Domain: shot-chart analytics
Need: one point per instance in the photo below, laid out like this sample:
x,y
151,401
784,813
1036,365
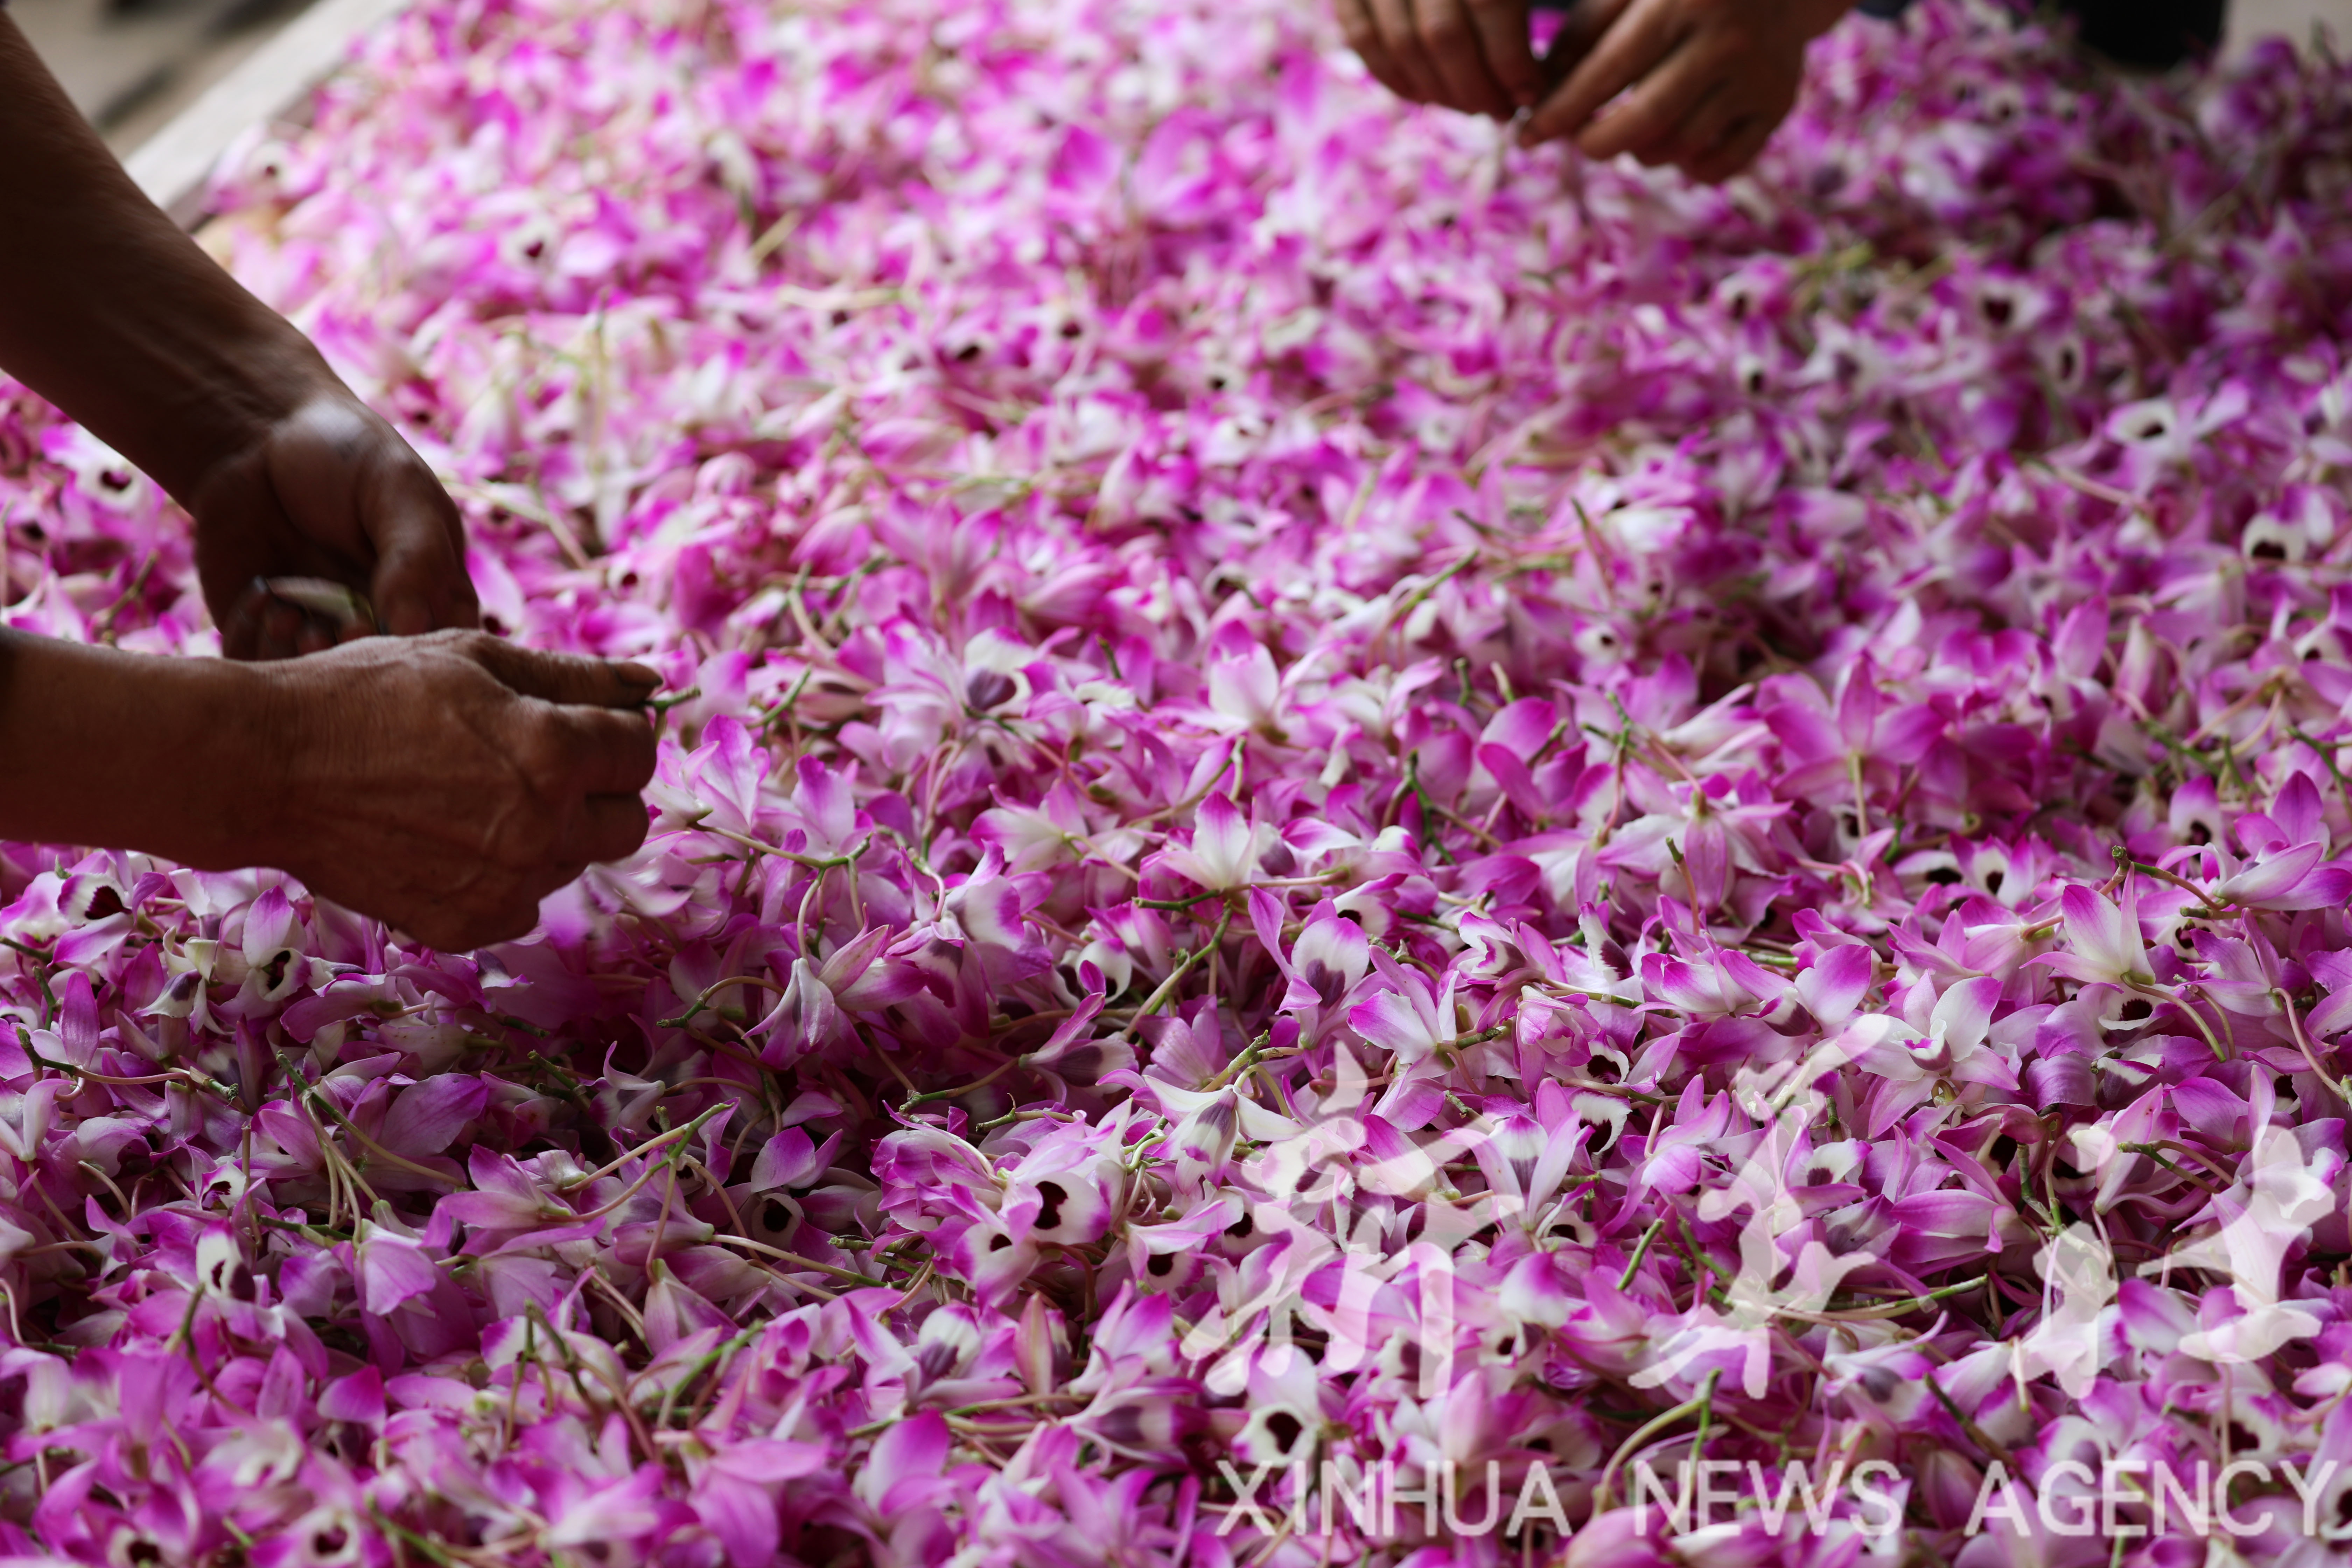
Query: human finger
x,y
240,628
355,491
420,582
613,826
608,751
307,615
1747,135
1661,101
329,602
1635,43
1705,127
280,634
1450,43
1509,51
1741,142
263,627
1395,20
1584,25
567,677
1356,25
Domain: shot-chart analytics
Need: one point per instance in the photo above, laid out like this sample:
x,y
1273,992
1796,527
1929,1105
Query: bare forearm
x,y
110,313
166,755
443,783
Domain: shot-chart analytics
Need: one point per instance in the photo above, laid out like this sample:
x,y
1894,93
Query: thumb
x,y
349,485
420,582
1503,29
1582,28
568,678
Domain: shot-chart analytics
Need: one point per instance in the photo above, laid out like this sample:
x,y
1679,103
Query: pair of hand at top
x,y
440,780
1700,84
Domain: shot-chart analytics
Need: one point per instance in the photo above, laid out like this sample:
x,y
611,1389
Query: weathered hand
x,y
331,492
1470,54
1705,82
446,783
110,313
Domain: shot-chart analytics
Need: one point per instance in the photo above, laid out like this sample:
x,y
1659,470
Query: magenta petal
x,y
2056,1081
427,1117
1323,790
358,1398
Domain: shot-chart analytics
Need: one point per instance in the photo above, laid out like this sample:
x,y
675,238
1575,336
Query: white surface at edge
x,y
174,164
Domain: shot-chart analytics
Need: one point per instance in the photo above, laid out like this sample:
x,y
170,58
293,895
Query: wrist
x,y
212,386
172,756
229,395
213,762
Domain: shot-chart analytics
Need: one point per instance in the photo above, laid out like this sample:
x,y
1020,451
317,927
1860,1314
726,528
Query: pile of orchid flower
x,y
1336,801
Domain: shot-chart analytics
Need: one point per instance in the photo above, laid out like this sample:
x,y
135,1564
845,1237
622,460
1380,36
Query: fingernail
x,y
637,673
